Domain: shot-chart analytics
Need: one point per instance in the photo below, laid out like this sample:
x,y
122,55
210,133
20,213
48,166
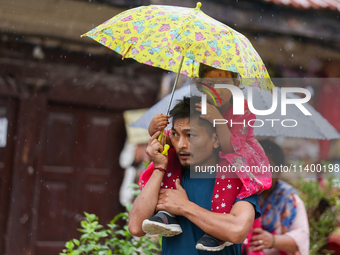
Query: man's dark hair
x,y
186,108
204,69
273,151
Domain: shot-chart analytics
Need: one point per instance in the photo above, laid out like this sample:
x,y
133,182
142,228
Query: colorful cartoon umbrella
x,y
179,39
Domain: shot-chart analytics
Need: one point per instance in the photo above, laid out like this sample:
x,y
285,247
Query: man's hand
x,y
212,112
261,240
172,200
154,151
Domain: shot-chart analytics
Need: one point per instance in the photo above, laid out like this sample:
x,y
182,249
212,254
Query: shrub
x,y
322,206
97,240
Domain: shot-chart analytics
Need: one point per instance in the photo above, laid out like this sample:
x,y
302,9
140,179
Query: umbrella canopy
x,y
314,126
167,36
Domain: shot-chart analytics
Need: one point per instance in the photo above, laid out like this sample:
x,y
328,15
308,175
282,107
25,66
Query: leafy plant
x,y
322,206
97,240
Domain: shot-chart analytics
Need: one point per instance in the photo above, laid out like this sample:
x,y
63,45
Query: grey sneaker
x,y
210,243
162,223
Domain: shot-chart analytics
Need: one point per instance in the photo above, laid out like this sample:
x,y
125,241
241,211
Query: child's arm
x,y
222,130
158,123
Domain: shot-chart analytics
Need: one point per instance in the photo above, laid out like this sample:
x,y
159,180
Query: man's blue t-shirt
x,y
200,192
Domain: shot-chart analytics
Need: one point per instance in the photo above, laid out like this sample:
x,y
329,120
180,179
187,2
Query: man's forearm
x,y
232,227
145,204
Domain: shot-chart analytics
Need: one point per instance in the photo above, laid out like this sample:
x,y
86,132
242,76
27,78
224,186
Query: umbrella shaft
x,y
174,87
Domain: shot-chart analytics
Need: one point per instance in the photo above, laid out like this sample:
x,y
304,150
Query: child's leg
x,y
225,192
165,223
162,223
210,243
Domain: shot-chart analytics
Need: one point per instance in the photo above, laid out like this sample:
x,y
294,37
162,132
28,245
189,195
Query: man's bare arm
x,y
145,204
232,227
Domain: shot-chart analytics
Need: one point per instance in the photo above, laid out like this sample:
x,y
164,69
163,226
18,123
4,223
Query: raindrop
x,y
292,55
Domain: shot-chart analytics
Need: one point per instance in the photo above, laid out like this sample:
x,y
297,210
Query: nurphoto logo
x,y
238,105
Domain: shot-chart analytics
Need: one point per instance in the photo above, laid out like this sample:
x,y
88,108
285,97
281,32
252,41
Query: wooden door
x,y
77,171
8,114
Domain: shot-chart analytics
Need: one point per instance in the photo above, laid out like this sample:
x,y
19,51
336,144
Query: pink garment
x,y
257,224
248,153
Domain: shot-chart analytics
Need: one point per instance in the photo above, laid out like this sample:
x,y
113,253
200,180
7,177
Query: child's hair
x,y
204,69
186,108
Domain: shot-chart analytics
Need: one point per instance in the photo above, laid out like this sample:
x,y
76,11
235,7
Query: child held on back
x,y
237,148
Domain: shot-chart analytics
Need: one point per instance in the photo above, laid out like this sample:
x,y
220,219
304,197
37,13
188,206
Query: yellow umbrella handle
x,y
160,136
166,146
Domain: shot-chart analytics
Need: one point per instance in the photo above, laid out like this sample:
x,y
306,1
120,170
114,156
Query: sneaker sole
x,y
155,228
200,246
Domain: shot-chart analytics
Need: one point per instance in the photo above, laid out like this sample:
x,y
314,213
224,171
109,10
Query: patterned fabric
x,y
279,208
248,154
160,35
174,171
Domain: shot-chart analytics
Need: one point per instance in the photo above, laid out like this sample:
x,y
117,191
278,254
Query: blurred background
x,y
66,102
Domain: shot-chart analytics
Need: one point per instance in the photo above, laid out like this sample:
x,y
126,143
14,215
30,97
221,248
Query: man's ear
x,y
216,141
237,83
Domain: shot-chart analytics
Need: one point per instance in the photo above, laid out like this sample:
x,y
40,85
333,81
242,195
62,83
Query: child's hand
x,y
212,112
158,123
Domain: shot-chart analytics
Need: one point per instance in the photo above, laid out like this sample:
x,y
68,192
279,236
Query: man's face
x,y
193,144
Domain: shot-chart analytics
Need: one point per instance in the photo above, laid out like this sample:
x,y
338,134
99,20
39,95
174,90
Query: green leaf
x,y
76,242
69,245
128,250
128,207
90,217
117,217
146,164
120,232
